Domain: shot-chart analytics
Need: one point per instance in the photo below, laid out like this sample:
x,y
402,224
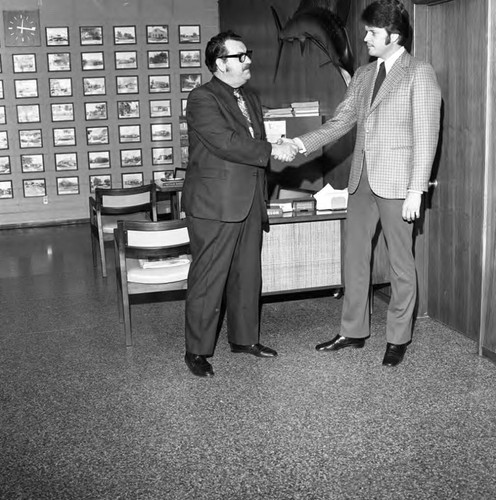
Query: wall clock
x,y
22,28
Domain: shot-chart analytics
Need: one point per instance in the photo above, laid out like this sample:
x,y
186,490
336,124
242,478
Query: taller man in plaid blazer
x,y
396,138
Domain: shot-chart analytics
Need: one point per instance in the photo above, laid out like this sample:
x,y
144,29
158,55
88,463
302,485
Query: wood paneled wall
x,y
452,36
488,314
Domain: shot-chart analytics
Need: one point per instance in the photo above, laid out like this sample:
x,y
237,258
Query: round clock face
x,y
22,28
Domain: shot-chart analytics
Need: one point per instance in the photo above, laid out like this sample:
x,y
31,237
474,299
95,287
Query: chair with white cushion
x,y
110,205
150,257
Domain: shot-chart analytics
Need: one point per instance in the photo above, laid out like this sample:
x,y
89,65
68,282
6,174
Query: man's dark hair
x,y
216,48
390,15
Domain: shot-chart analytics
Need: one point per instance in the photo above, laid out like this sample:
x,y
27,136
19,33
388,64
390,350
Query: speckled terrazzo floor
x,y
82,417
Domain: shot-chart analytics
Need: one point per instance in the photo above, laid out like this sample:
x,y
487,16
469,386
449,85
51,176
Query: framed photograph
x,y
126,60
4,140
162,156
158,59
29,113
184,156
64,136
95,110
189,33
24,63
162,175
124,35
60,87
26,88
97,135
128,109
91,35
99,159
91,61
160,108
132,180
34,188
60,61
131,158
62,112
66,161
32,163
189,59
6,190
5,165
1,89
158,83
189,81
161,131
3,116
94,86
67,185
184,104
127,84
100,181
30,138
57,36
157,33
129,133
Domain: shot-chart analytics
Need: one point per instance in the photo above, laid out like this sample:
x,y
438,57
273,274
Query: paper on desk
x,y
275,129
329,198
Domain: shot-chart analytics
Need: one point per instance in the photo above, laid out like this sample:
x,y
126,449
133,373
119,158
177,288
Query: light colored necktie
x,y
244,109
381,75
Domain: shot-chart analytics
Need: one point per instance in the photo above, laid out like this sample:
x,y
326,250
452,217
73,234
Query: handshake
x,y
284,149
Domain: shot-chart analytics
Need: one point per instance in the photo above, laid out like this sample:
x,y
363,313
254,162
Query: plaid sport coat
x,y
397,134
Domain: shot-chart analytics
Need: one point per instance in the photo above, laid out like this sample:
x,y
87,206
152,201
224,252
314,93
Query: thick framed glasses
x,y
241,57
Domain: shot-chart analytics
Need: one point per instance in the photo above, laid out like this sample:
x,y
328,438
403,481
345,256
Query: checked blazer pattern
x,y
397,134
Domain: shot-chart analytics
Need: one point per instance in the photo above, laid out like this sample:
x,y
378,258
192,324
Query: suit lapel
x,y
394,76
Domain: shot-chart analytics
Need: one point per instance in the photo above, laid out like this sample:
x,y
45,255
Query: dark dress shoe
x,y
198,365
394,354
340,342
256,349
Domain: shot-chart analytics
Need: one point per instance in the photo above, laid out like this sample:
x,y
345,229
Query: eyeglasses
x,y
241,57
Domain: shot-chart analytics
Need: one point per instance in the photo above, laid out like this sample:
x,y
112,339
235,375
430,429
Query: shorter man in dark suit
x,y
224,197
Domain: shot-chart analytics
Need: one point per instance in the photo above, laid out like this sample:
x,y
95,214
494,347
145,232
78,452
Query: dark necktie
x,y
381,75
244,109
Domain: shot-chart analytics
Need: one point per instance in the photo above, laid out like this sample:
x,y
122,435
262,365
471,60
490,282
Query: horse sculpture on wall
x,y
322,23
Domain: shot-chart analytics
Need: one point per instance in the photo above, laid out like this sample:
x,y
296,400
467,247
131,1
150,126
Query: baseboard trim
x,y
489,354
25,225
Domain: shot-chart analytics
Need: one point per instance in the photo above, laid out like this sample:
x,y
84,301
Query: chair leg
x,y
127,319
102,257
94,245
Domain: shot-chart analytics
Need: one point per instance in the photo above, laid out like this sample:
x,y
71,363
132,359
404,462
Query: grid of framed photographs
x,y
108,96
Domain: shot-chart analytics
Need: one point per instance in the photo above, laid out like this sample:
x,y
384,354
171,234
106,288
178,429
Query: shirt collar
x,y
388,63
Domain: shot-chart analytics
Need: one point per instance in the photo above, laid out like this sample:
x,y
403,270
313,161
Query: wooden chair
x,y
110,205
150,257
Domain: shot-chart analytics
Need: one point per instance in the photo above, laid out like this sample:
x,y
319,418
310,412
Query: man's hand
x,y
411,206
284,150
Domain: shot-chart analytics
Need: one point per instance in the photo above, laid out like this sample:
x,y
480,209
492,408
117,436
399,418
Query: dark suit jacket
x,y
225,162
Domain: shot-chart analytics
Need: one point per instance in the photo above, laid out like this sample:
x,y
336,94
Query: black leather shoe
x,y
340,342
394,354
198,365
256,349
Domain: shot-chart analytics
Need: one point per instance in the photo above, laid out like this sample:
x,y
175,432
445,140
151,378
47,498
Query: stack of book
x,y
310,108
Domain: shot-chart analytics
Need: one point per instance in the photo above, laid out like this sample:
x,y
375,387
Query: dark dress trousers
x,y
224,197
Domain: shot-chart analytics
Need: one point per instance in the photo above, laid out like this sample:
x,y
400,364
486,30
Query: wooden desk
x,y
303,252
169,198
